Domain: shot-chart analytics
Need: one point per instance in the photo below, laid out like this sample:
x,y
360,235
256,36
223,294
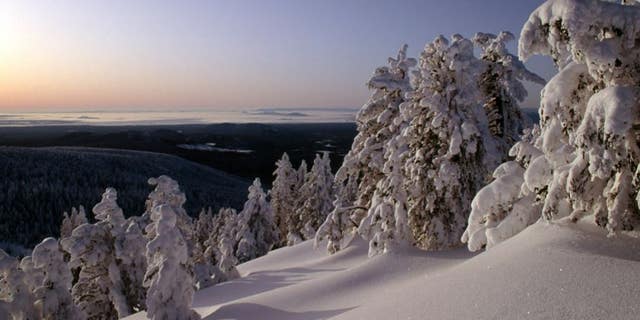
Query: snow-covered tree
x,y
294,235
70,222
167,191
132,264
446,163
204,225
168,279
387,221
98,290
220,247
363,164
318,195
223,223
33,275
53,297
257,232
585,161
283,195
501,88
228,260
16,297
204,256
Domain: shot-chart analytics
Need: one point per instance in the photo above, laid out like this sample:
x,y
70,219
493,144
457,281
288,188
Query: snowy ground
x,y
549,271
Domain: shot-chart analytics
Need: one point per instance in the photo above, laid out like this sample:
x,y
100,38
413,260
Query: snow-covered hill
x,y
39,184
549,271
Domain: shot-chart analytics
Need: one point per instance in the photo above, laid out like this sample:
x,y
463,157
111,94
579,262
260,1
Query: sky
x,y
142,55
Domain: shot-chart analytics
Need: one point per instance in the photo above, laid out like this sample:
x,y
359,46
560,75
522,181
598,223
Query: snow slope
x,y
548,271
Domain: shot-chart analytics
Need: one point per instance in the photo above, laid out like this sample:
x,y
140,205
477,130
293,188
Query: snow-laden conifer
x,y
294,234
283,195
256,230
16,297
502,88
364,164
53,297
318,195
98,291
70,222
168,279
585,159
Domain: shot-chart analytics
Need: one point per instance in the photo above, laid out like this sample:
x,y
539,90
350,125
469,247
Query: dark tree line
x,y
39,184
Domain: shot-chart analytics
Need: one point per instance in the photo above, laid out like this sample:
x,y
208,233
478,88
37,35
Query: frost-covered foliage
x,y
132,264
224,224
16,297
222,243
256,229
507,200
293,220
168,279
204,225
228,260
70,222
449,144
362,167
317,195
98,291
204,256
283,195
53,297
434,141
387,220
585,160
34,275
501,87
167,191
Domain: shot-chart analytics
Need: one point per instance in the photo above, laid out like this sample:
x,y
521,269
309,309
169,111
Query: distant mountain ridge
x,y
39,184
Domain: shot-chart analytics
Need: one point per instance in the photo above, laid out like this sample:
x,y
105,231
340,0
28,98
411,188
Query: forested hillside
x,y
39,184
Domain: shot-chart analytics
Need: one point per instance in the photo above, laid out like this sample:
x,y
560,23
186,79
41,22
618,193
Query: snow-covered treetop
x,y
42,252
600,34
395,76
494,48
256,191
167,191
107,209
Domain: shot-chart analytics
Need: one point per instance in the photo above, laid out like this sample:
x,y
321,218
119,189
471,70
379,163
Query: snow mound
x,y
548,271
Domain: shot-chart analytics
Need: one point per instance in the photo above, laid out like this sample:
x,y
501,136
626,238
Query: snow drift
x,y
549,271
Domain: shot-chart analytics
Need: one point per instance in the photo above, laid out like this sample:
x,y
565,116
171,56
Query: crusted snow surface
x,y
557,270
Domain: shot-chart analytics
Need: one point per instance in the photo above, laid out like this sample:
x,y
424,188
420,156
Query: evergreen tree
x,y
53,298
318,195
366,166
363,166
16,298
584,162
283,195
293,220
168,279
257,232
98,289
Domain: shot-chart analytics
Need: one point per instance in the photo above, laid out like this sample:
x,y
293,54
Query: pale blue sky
x,y
144,54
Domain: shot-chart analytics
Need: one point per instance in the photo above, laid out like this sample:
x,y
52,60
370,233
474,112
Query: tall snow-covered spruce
x,y
292,221
362,167
583,162
316,197
283,195
168,279
257,231
436,142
